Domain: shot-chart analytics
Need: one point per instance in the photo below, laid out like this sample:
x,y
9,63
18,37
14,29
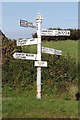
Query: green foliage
x,y
19,85
8,48
60,68
21,74
58,80
23,104
60,74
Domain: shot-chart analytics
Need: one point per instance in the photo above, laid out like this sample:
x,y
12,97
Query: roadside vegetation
x,y
59,82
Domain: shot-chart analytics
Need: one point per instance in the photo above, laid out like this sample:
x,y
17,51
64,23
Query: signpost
x,y
23,42
51,51
32,41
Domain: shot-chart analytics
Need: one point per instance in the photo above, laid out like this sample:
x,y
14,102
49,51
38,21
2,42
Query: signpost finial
x,y
39,17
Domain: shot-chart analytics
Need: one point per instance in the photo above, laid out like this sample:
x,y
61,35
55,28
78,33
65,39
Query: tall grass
x,y
23,104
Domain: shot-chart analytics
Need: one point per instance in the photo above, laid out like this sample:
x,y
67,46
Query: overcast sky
x,y
55,15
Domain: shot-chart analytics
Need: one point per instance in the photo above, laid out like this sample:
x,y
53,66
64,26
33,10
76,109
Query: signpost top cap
x,y
39,17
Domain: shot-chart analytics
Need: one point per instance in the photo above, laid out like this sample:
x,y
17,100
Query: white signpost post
x,y
39,19
32,41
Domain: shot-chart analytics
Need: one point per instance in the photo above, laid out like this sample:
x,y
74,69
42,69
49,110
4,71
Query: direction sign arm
x,y
23,23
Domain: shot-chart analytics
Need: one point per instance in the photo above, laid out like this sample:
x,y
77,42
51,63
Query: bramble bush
x,y
22,73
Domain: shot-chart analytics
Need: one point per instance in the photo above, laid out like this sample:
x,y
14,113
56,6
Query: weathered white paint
x,y
25,56
24,23
51,51
23,42
41,63
39,19
55,33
